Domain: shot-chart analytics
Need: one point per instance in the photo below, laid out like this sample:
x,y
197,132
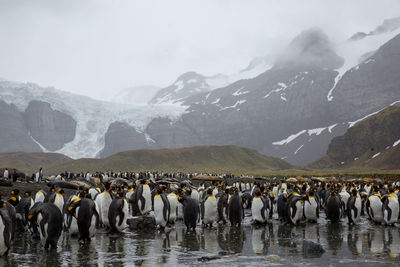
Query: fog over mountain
x,y
97,48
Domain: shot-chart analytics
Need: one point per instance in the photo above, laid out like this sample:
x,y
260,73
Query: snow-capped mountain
x,y
136,94
47,119
192,83
314,92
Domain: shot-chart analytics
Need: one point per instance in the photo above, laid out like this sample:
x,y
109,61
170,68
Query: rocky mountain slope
x,y
372,143
315,91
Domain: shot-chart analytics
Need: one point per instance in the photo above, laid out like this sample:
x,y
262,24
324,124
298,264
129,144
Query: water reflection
x,y
222,244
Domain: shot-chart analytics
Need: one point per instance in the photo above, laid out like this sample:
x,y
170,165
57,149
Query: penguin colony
x,y
48,214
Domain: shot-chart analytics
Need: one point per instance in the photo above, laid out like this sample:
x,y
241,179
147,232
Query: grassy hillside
x,y
359,146
31,162
204,158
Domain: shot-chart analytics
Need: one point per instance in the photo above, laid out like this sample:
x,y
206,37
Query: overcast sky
x,y
98,47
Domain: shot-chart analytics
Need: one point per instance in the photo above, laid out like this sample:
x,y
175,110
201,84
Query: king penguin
x,y
161,208
209,209
354,207
103,202
118,213
5,229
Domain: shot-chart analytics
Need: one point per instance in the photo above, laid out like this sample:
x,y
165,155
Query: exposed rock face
x,y
14,135
121,137
366,139
51,128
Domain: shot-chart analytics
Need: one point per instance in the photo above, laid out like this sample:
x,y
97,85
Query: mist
x,y
97,47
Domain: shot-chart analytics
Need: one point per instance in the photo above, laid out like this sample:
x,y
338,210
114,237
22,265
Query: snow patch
x,y
238,93
316,131
289,139
377,154
331,127
396,143
216,101
235,105
352,123
297,150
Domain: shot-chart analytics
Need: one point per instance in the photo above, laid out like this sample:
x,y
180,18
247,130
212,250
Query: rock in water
x,y
142,223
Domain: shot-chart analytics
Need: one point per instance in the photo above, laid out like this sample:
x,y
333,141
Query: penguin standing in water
x,y
143,197
259,209
103,202
235,209
354,207
22,210
311,208
87,216
333,207
40,196
390,208
47,219
295,208
209,211
118,213
161,208
373,206
222,206
5,229
191,211
173,207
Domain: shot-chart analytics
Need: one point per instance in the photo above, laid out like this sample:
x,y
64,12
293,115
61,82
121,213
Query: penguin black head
x,y
73,204
209,191
60,191
119,194
2,204
311,193
258,193
188,191
304,197
354,192
107,185
52,189
28,193
14,192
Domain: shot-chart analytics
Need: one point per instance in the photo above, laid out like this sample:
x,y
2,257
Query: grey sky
x,y
97,47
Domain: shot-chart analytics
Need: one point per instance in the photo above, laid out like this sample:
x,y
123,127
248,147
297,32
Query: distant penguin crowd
x,y
48,214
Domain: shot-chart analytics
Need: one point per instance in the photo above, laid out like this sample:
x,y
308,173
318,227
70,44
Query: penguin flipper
x,y
202,209
121,216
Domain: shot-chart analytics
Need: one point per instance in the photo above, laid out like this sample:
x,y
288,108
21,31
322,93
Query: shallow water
x,y
361,245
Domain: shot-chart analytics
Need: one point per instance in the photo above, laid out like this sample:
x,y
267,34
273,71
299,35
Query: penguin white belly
x,y
39,197
256,207
103,201
173,204
394,206
93,192
59,202
195,195
310,209
159,211
376,208
357,205
92,227
210,210
299,212
3,247
125,211
345,197
147,196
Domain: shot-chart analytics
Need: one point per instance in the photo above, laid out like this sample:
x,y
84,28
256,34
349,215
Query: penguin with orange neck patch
x,y
209,209
161,208
103,201
118,213
86,214
5,229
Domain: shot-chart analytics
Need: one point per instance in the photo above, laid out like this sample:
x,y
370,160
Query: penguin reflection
x,y
209,240
354,242
375,242
231,238
334,237
392,241
191,241
259,241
